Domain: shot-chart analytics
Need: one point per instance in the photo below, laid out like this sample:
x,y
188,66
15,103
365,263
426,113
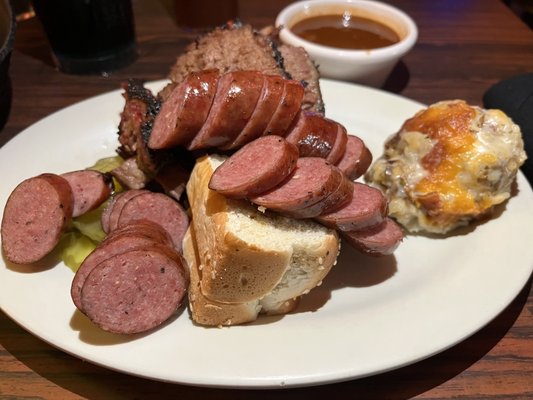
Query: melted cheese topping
x,y
449,129
448,164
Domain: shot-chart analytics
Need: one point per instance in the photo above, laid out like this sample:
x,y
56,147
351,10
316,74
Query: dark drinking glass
x,y
89,36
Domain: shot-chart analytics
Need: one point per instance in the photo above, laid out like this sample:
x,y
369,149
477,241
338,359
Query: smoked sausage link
x,y
255,168
226,111
36,214
313,134
235,99
264,111
183,114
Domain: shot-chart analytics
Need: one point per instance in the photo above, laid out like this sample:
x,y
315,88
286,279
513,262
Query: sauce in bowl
x,y
345,31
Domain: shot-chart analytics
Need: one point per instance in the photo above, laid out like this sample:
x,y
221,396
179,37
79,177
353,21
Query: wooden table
x,y
464,47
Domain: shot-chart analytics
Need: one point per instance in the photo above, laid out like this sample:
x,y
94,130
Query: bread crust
x,y
233,280
232,271
205,311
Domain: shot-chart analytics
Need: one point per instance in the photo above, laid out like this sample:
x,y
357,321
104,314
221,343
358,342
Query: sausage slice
x,y
185,110
356,159
302,194
264,111
339,146
377,240
235,100
135,291
158,208
255,168
36,214
120,241
89,188
313,134
113,209
368,207
288,108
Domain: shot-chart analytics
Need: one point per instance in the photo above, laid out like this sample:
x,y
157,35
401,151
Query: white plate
x,y
369,316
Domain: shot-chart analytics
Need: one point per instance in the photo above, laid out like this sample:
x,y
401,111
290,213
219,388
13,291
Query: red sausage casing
x,y
367,207
377,240
356,159
288,108
235,100
35,216
303,194
89,188
264,111
313,134
185,111
255,168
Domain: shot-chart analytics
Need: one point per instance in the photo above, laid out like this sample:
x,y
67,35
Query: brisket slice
x,y
301,68
237,46
136,108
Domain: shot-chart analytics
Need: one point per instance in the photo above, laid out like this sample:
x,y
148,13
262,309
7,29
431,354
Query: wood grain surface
x,y
464,47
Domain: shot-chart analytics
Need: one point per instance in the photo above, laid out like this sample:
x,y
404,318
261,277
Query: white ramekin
x,y
368,67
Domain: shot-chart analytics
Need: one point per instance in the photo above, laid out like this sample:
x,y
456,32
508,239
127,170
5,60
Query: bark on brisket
x,y
238,46
136,121
302,69
228,49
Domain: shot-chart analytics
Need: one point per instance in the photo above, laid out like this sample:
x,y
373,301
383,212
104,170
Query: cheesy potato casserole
x,y
448,165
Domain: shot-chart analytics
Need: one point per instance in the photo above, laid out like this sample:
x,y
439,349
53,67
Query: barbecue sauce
x,y
345,31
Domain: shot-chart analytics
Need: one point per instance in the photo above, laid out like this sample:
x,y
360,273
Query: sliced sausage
x,y
113,209
36,214
356,159
368,207
377,240
135,291
288,108
255,168
158,208
142,227
339,147
313,134
90,189
135,237
106,214
184,112
340,197
301,195
264,111
235,100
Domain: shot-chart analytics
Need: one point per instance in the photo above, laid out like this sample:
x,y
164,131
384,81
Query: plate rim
x,y
255,382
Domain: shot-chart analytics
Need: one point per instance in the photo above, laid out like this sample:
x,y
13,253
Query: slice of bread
x,y
244,261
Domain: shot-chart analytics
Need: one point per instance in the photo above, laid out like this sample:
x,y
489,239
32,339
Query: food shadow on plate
x,y
91,334
50,261
353,270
